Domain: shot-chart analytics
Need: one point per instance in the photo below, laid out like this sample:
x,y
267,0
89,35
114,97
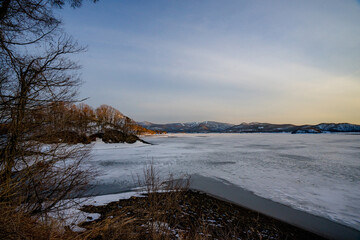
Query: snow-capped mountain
x,y
340,127
261,127
190,127
218,127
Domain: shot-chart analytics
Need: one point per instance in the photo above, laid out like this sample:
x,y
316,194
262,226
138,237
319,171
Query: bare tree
x,y
36,71
86,118
108,116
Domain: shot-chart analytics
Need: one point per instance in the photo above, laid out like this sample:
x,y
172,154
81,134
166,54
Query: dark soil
x,y
116,136
196,213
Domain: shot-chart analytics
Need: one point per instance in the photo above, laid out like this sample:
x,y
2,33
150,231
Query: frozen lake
x,y
319,174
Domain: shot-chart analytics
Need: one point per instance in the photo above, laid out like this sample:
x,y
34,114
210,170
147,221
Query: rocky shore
x,y
190,215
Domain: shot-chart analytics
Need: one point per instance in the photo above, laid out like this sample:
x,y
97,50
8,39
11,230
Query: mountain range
x,y
254,127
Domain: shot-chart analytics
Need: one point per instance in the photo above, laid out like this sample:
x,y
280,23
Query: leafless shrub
x,y
35,71
163,196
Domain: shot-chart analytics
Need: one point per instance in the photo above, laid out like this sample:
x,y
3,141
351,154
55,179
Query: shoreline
x,y
231,193
234,194
183,214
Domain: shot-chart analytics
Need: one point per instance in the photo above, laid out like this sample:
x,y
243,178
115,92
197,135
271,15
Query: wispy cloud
x,y
282,61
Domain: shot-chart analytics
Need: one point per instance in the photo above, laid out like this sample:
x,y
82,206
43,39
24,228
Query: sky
x,y
230,61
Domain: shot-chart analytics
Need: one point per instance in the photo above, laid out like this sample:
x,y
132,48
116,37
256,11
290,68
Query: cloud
x,y
254,61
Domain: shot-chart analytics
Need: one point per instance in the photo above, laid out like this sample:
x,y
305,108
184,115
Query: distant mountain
x,y
190,127
339,127
261,127
254,127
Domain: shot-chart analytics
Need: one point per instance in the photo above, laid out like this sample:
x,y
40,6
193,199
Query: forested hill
x,y
70,123
255,127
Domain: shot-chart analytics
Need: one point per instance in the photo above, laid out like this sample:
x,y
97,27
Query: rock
x,y
116,136
93,137
113,136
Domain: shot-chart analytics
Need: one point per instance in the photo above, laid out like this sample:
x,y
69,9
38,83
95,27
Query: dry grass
x,y
15,224
162,215
167,211
152,217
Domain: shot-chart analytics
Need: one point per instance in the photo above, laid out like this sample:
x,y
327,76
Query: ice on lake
x,y
319,174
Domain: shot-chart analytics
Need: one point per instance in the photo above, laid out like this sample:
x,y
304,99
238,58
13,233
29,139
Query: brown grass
x,y
15,224
168,211
152,218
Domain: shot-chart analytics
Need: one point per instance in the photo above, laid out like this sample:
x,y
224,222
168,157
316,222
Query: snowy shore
x,y
227,191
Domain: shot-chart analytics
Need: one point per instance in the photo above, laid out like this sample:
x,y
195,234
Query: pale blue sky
x,y
230,61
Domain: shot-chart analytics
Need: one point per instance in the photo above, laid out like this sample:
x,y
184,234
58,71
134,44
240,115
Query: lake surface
x,y
319,174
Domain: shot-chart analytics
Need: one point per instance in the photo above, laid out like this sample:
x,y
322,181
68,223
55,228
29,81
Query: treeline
x,y
80,123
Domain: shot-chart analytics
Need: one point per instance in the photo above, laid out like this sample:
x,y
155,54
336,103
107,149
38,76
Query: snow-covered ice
x,y
319,174
72,216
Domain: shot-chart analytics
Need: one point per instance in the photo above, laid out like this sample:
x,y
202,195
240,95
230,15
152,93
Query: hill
x,y
254,127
